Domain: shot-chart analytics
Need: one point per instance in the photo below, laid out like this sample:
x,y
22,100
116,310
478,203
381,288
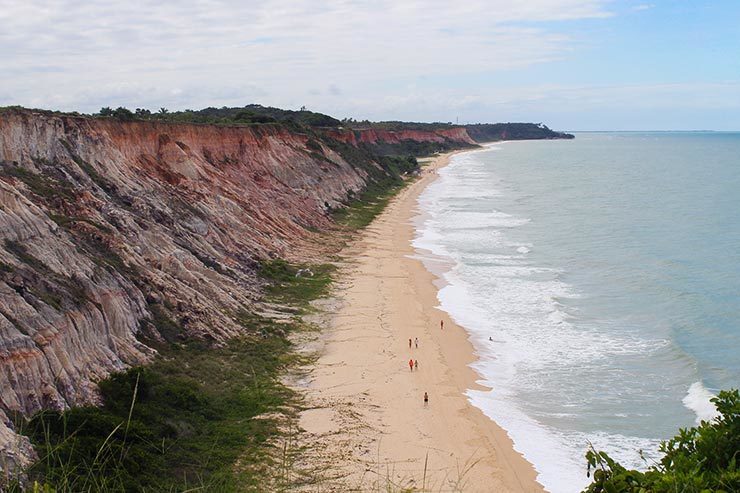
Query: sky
x,y
572,64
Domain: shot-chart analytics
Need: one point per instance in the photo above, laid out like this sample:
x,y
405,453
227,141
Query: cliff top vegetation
x,y
255,114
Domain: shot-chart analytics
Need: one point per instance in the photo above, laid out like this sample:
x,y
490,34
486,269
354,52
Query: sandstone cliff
x,y
455,136
113,233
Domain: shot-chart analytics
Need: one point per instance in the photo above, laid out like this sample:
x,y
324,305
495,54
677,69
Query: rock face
x,y
113,233
455,136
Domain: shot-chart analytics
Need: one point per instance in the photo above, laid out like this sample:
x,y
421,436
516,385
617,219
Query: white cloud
x,y
76,54
412,59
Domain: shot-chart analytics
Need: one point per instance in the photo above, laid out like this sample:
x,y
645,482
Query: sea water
x,y
599,281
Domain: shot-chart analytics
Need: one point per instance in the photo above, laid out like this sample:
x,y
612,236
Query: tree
x,y
122,113
163,111
699,459
106,111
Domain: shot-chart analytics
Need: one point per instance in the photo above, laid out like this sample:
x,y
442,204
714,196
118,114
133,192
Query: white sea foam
x,y
529,350
558,456
698,400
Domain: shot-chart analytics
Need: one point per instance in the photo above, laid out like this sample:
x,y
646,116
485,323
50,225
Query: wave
x,y
698,400
549,374
559,455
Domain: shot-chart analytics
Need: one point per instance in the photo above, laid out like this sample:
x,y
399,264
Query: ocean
x,y
599,281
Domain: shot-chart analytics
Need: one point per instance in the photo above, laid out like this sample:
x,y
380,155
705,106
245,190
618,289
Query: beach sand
x,y
367,421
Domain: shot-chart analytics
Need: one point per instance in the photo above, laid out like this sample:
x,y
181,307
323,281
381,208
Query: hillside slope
x,y
113,233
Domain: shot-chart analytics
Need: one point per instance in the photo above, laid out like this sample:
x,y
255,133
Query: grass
x,y
361,211
88,168
386,177
39,184
38,280
21,253
295,284
69,221
179,423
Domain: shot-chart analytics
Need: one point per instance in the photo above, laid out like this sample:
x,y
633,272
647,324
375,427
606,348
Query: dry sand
x,y
369,426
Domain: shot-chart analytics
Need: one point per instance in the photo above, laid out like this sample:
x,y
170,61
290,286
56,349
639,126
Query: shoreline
x,y
366,412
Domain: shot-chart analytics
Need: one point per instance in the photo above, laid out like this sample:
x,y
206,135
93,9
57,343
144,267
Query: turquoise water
x,y
606,272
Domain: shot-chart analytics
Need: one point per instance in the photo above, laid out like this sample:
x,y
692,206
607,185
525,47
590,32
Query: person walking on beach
x,y
441,324
416,342
409,343
426,398
411,365
416,364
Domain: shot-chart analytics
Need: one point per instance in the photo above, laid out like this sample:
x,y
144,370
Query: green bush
x,y
183,421
697,460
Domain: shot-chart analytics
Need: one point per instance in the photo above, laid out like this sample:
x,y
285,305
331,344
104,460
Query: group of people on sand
x,y
414,363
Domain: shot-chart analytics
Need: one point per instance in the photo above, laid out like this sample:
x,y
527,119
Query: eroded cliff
x,y
454,136
113,233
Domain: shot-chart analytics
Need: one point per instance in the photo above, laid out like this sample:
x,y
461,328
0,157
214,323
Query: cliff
x,y
396,137
489,132
403,141
115,235
455,136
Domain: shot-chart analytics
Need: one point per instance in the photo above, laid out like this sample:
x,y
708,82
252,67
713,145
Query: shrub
x,y
697,460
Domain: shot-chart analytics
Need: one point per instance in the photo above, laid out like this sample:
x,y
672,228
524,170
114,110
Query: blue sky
x,y
573,64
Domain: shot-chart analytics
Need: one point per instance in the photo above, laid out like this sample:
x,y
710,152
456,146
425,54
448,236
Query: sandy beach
x,y
368,419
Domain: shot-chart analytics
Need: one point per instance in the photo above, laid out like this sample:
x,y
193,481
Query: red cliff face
x,y
105,224
456,135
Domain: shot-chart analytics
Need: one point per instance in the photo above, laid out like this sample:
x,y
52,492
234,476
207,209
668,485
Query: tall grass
x,y
178,424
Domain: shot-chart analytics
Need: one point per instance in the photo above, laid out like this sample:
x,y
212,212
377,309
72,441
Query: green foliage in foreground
x,y
697,460
179,423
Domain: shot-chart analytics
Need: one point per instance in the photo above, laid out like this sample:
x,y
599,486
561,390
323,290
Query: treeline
x,y
248,115
396,125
